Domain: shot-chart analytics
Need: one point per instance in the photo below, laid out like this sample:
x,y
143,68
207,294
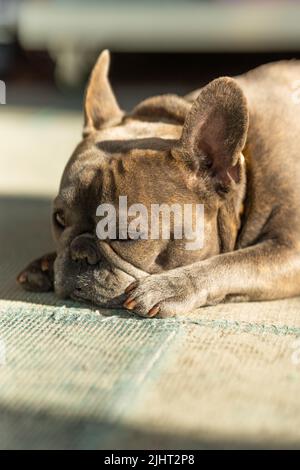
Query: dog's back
x,y
272,151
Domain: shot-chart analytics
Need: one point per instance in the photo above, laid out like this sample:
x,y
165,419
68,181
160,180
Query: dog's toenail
x,y
130,287
130,304
129,299
45,265
153,311
22,278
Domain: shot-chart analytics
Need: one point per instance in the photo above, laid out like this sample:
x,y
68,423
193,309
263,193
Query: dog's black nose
x,y
83,248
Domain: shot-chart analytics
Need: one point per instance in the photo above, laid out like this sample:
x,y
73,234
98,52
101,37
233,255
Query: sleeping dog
x,y
233,146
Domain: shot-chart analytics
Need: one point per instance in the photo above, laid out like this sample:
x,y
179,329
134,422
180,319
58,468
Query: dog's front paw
x,y
38,276
165,295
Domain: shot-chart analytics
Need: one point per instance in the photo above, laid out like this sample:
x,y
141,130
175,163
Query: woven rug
x,y
76,377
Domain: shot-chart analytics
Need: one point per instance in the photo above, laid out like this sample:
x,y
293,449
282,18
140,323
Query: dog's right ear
x,y
100,106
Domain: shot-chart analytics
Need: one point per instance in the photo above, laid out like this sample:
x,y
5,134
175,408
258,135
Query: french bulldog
x,y
233,146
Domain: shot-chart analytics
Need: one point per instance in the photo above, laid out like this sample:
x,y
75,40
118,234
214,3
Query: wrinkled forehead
x,y
132,137
137,134
110,153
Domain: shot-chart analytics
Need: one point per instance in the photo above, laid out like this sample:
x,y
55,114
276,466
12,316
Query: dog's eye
x,y
59,219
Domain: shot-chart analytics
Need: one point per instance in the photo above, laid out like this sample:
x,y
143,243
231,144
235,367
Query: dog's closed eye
x,y
59,219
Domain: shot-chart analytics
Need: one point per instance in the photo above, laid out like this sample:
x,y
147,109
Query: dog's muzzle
x,y
91,270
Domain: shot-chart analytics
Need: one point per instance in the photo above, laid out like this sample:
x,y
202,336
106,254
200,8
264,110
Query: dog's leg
x,y
269,270
38,275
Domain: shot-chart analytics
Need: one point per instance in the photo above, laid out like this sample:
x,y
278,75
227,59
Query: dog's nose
x,y
83,248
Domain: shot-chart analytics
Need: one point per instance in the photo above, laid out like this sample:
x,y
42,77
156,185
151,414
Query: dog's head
x,y
167,151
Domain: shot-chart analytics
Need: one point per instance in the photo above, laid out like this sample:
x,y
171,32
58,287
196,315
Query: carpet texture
x,y
76,377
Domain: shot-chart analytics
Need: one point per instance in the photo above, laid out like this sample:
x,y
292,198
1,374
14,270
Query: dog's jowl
x,y
231,147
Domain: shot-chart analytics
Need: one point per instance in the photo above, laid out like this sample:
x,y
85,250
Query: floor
x,y
79,378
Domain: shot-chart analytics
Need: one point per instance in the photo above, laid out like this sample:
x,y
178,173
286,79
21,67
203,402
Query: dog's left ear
x,y
100,105
214,132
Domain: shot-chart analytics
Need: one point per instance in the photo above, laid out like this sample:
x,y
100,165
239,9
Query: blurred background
x,y
48,46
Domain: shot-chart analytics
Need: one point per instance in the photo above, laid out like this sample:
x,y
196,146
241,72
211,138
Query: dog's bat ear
x,y
100,106
215,131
